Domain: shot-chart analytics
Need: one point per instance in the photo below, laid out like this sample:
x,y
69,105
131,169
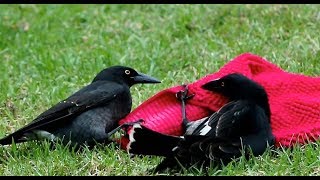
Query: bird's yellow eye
x,y
222,84
127,72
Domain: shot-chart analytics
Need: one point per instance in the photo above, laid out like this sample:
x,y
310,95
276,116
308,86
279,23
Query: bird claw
x,y
183,94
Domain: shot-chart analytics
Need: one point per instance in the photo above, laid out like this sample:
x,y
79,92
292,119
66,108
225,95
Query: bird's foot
x,y
183,94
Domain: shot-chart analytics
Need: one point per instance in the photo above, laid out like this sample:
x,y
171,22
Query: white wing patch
x,y
205,129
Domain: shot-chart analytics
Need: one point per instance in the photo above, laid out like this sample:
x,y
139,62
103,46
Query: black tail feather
x,y
10,139
143,141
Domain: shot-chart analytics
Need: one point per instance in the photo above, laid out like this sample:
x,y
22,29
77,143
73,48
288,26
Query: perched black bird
x,y
240,126
88,115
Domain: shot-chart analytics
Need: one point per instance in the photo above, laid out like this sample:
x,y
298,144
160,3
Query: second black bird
x,y
240,126
88,115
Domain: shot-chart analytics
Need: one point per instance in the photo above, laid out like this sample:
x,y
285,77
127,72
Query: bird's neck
x,y
264,104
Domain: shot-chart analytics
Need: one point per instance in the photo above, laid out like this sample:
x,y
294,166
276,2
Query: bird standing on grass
x,y
86,117
241,125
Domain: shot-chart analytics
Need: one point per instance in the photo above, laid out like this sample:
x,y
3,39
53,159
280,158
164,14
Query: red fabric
x,y
294,101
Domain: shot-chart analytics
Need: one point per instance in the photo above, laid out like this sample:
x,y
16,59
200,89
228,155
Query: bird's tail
x,y
10,139
144,141
21,136
6,140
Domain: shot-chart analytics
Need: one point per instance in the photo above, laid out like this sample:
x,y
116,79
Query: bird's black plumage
x,y
87,115
241,125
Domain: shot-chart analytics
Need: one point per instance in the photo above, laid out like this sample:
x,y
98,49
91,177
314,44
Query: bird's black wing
x,y
230,120
207,126
95,94
215,136
243,126
202,133
229,128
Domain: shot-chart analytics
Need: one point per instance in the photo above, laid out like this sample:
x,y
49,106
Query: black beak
x,y
212,85
143,78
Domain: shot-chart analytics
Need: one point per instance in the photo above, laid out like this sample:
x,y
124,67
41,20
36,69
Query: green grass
x,y
48,52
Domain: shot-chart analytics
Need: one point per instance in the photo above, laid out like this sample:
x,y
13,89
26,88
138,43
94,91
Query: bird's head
x,y
236,86
124,74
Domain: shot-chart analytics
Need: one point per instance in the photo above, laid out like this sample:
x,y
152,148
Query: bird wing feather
x,y
231,119
90,96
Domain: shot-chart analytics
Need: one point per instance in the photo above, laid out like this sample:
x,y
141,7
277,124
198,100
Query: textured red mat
x,y
294,100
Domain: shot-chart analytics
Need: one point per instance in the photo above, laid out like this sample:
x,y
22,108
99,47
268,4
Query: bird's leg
x,y
183,96
124,125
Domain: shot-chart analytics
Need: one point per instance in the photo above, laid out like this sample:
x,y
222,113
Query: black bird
x,y
240,126
86,117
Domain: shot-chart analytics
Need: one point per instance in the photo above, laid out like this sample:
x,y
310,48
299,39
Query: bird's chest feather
x,y
121,105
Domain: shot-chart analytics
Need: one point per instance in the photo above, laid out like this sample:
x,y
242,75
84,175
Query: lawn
x,y
48,52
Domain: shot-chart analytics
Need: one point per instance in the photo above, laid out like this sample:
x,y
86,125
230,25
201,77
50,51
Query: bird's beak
x,y
143,78
212,85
